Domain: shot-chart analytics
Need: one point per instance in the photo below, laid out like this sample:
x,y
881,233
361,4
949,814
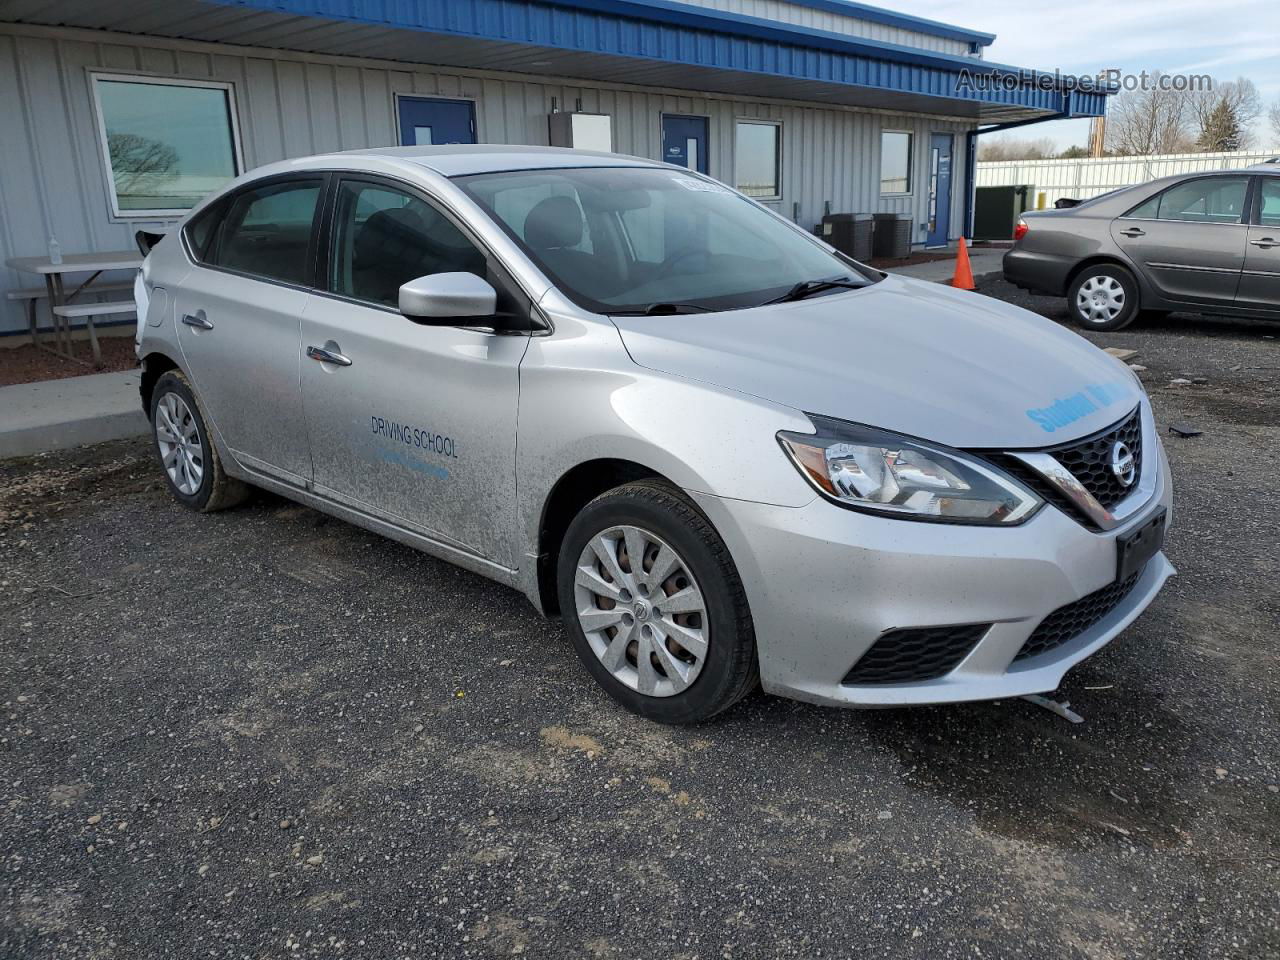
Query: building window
x,y
757,159
895,162
166,143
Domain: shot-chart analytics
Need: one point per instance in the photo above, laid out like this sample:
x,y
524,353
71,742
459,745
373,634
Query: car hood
x,y
905,355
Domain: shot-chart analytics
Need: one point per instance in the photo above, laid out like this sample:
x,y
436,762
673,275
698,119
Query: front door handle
x,y
1133,232
197,320
325,355
1266,243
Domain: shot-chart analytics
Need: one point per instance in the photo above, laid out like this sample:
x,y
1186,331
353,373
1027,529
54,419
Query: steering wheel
x,y
669,262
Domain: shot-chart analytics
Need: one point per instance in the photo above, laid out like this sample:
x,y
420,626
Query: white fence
x,y
1081,179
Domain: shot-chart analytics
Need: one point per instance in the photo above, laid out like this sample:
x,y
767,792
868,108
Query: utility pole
x,y
1097,136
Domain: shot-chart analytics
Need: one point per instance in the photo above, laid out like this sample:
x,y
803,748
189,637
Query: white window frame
x,y
169,213
911,164
777,154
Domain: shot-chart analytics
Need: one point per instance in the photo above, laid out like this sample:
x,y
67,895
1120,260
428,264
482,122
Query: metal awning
x,y
647,42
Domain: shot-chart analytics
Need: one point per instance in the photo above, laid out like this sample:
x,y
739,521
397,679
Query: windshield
x,y
637,239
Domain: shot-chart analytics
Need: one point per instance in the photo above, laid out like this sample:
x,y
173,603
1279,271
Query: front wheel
x,y
1103,298
654,606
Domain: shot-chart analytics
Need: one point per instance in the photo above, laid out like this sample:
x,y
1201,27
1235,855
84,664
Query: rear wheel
x,y
186,452
1104,297
654,605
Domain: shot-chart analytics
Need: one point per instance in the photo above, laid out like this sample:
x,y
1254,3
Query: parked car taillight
x,y
1020,230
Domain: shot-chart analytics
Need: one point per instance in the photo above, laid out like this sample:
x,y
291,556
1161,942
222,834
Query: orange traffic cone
x,y
964,273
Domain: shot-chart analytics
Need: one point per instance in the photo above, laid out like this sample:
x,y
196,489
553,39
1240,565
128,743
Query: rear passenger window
x,y
384,238
1269,212
1209,200
267,231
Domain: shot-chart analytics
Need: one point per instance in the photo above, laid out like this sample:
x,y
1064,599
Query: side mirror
x,y
442,299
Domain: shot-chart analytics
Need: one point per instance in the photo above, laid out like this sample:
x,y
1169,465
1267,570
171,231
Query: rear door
x,y
1189,240
414,424
1260,282
684,141
239,312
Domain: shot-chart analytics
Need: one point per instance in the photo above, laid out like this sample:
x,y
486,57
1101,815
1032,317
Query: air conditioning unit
x,y
582,131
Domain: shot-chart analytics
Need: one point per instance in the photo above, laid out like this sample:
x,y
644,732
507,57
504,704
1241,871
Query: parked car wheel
x,y
1104,297
654,605
190,462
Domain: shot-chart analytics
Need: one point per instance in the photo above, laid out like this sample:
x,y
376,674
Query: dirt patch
x,y
565,739
29,364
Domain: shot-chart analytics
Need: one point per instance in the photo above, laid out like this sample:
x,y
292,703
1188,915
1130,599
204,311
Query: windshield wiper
x,y
806,287
662,310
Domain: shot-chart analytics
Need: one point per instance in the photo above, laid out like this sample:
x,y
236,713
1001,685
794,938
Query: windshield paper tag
x,y
700,186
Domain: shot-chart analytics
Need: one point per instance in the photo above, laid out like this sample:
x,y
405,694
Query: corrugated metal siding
x,y
803,16
1088,176
53,181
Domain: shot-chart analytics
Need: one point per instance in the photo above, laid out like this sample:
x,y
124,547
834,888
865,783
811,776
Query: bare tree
x,y
1013,149
138,160
1150,120
1224,113
1273,116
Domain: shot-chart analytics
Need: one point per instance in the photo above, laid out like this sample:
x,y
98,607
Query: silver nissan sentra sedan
x,y
723,453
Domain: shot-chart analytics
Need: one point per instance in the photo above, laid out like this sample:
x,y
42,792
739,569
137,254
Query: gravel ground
x,y
264,733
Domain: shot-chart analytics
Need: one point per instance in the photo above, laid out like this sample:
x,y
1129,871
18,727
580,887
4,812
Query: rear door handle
x,y
197,320
1266,243
1133,232
328,356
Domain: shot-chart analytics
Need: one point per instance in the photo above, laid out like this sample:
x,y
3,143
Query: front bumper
x,y
824,583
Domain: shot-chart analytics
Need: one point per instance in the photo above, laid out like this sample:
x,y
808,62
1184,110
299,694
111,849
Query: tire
x,y
191,465
1104,297
674,683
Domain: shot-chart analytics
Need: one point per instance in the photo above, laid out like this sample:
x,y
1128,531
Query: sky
x,y
1226,39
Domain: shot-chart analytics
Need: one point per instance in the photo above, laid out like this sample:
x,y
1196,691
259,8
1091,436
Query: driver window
x,y
384,237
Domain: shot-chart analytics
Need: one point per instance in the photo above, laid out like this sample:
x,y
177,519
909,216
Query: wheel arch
x,y
154,365
577,487
1110,260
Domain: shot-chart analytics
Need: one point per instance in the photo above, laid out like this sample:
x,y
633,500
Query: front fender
x,y
582,399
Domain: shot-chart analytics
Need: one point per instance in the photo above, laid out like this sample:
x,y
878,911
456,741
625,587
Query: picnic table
x,y
61,304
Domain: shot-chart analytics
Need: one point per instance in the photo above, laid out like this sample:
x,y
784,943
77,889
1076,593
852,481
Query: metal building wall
x,y
1089,176
53,180
834,23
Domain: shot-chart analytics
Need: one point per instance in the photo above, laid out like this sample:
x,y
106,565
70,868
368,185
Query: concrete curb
x,y
59,414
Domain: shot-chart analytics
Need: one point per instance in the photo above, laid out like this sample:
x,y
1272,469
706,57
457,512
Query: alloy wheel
x,y
181,447
641,610
1100,299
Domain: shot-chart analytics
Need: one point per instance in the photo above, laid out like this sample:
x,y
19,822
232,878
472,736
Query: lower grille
x,y
915,655
1068,622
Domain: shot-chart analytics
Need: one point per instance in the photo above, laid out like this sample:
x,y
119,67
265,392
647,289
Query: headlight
x,y
880,472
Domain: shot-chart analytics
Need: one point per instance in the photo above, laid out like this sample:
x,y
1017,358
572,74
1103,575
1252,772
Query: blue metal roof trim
x,y
905,21
695,36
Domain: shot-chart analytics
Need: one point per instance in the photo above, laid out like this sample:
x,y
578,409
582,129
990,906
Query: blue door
x,y
426,120
939,189
684,141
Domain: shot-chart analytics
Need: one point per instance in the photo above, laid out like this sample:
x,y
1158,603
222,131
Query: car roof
x,y
459,159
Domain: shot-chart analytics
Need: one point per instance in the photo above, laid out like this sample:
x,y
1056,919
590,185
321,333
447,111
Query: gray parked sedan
x,y
717,448
1201,242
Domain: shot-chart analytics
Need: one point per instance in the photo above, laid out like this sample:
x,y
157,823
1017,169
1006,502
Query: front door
x,y
939,189
1190,239
414,424
239,312
427,120
1260,282
684,142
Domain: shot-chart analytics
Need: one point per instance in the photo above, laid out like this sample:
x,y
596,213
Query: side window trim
x,y
200,258
1243,219
325,262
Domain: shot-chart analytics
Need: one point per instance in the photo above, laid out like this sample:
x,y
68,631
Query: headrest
x,y
396,233
554,222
